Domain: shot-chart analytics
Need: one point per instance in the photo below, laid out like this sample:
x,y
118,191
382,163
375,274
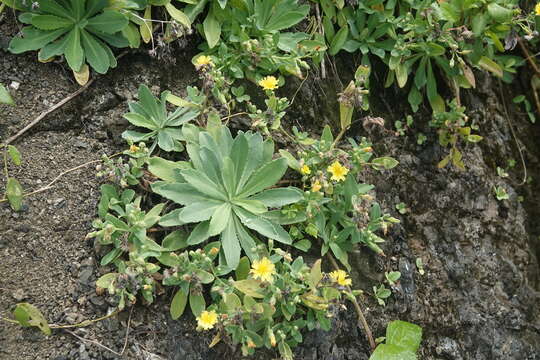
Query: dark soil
x,y
479,298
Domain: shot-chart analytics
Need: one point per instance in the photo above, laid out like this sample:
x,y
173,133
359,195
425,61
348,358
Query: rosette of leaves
x,y
226,193
81,30
151,113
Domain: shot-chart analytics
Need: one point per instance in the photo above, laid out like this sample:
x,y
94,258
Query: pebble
x,y
19,295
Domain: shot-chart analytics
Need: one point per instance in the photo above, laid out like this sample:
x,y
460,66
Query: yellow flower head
x,y
213,251
207,319
263,269
250,343
269,83
316,186
340,277
367,149
133,148
203,60
537,9
338,171
305,170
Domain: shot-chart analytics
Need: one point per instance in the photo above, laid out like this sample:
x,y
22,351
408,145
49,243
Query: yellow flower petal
x,y
316,186
338,171
263,269
305,170
269,83
537,9
340,277
207,319
133,148
203,60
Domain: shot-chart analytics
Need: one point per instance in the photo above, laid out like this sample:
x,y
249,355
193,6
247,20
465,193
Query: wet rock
x,y
86,276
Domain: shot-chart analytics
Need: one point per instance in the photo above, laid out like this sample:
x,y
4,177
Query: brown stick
x,y
361,317
48,111
529,57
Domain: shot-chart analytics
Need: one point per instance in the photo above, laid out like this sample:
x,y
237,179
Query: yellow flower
x,y
316,186
367,149
269,83
133,148
537,9
340,277
203,60
207,319
250,343
214,251
263,269
305,170
338,171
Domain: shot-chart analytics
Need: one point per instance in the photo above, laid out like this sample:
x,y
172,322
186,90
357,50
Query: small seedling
x,y
381,293
402,208
500,193
420,266
392,277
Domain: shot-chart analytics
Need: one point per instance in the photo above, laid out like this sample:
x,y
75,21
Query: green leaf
x,y
220,219
303,245
131,33
178,15
232,302
263,226
499,13
345,115
105,281
196,303
179,301
14,154
339,40
392,352
183,194
152,217
199,211
291,161
279,197
73,51
479,22
174,241
108,22
199,233
243,268
140,121
230,245
202,183
212,30
404,334
5,97
384,163
96,53
264,177
167,170
34,39
28,315
490,65
250,287
50,22
285,351
315,274
110,257
14,193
